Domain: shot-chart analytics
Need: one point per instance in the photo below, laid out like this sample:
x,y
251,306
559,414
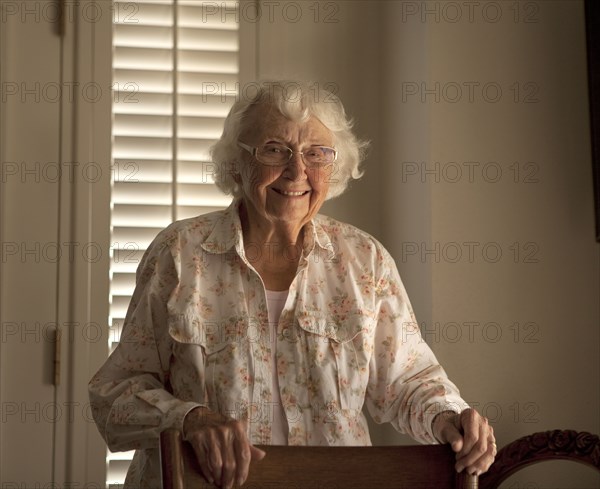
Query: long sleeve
x,y
407,386
131,404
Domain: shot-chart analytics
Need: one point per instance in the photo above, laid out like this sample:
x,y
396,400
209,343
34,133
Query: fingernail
x,y
459,468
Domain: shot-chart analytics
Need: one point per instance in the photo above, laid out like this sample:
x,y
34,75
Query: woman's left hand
x,y
470,436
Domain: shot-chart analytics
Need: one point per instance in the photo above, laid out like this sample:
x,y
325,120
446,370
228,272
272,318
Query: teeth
x,y
293,194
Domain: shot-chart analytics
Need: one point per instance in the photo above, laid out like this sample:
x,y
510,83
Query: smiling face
x,y
291,194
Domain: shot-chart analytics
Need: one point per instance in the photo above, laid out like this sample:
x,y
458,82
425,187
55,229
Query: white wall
x,y
542,296
335,45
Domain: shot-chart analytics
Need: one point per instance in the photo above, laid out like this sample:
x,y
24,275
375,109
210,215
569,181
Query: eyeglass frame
x,y
253,151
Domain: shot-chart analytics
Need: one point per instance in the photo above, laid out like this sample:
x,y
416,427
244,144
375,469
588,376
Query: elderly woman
x,y
267,323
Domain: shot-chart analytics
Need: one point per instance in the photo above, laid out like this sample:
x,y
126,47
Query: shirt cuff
x,y
455,404
176,417
172,410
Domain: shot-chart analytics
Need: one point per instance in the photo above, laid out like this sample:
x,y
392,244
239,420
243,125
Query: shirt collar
x,y
315,235
227,233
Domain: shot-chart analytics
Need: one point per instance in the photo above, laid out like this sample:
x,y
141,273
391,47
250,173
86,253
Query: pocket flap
x,y
193,330
338,331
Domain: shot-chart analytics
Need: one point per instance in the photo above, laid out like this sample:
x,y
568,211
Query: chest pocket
x,y
224,364
338,357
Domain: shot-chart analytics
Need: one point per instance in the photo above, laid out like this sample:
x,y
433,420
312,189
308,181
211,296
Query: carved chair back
x,y
570,445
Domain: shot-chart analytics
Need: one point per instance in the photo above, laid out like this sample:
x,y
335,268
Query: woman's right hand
x,y
221,446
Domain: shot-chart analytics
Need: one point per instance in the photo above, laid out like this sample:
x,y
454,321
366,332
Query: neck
x,y
279,241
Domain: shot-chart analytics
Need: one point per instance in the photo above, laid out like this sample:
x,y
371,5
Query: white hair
x,y
297,101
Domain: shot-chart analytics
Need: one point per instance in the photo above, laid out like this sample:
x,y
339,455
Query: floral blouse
x,y
197,334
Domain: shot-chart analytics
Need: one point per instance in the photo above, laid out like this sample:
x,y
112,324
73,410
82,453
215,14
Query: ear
x,y
234,171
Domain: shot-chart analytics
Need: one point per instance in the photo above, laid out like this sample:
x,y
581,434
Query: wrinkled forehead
x,y
265,120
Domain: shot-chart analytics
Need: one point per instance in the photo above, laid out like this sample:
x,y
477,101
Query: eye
x,y
274,149
314,152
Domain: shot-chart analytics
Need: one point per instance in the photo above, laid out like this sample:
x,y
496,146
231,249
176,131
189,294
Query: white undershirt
x,y
279,428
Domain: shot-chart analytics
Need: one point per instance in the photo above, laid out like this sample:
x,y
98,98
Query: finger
x,y
202,451
481,454
228,469
488,459
201,457
492,441
470,425
257,453
448,425
453,437
215,456
242,455
485,461
478,450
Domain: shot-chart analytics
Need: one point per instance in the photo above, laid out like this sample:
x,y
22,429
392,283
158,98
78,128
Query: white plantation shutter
x,y
175,74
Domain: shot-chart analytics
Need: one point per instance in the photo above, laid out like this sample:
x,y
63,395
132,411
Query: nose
x,y
295,169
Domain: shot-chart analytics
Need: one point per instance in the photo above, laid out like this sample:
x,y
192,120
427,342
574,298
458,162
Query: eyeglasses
x,y
274,154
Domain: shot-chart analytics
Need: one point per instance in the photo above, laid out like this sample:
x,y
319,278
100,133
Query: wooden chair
x,y
294,467
570,445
